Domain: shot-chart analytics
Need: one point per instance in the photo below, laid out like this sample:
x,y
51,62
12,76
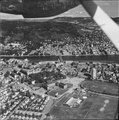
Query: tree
x,y
6,74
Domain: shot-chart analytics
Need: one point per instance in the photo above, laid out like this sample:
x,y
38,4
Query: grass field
x,y
89,109
109,110
101,87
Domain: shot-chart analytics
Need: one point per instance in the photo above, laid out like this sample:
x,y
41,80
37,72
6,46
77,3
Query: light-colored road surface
x,y
75,81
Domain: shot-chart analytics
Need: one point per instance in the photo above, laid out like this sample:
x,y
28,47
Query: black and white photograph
x,y
59,59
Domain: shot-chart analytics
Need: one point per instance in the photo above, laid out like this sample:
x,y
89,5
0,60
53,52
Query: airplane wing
x,y
37,8
6,16
109,27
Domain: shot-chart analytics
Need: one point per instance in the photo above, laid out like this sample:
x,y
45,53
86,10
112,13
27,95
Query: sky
x,y
111,7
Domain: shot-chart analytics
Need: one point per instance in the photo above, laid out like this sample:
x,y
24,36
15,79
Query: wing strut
x,y
110,28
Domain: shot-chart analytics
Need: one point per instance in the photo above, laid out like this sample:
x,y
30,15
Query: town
x,y
65,68
56,90
60,36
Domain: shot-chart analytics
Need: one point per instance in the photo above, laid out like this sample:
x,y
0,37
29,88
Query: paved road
x,y
104,94
17,106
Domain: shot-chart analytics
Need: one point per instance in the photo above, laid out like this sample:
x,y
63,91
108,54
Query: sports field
x,y
101,87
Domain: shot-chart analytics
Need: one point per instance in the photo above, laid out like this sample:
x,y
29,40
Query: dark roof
x,y
12,74
23,71
62,84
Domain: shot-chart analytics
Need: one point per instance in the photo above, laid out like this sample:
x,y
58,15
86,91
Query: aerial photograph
x,y
59,59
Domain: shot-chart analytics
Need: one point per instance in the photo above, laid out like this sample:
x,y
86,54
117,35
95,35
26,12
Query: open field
x,y
90,108
102,110
101,87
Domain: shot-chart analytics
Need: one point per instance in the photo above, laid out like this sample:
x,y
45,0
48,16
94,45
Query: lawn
x,y
101,87
109,110
89,109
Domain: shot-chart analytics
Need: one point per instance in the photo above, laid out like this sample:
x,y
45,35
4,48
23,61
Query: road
x,y
14,109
